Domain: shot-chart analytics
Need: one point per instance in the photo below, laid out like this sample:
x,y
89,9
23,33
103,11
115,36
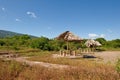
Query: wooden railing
x,y
76,52
87,50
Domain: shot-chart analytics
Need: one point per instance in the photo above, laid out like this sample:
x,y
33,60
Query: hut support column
x,y
68,48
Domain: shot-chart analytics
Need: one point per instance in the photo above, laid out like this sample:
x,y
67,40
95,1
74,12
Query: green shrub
x,y
118,66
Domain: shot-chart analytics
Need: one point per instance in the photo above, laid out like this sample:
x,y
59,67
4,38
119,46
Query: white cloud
x,y
31,14
92,35
102,35
3,9
17,20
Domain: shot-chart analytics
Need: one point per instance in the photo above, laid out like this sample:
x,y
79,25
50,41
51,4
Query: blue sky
x,y
49,18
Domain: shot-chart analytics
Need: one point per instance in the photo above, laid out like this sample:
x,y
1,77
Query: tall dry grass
x,y
47,57
11,70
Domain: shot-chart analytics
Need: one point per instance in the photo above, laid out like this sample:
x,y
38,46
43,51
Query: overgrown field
x,y
80,69
49,58
11,70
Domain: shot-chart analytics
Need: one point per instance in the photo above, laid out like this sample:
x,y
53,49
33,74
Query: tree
x,y
2,43
102,41
55,45
41,43
25,37
114,43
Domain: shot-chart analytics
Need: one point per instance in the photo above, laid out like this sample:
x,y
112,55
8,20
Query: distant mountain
x,y
4,33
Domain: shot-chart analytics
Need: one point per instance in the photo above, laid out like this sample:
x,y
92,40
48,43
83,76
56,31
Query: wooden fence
x,y
87,50
76,52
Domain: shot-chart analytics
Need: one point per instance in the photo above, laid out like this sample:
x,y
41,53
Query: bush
x,y
118,66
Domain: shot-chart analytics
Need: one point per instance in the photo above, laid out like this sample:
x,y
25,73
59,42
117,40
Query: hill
x,y
4,33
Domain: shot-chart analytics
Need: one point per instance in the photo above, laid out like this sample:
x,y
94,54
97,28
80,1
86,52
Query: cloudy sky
x,y
49,18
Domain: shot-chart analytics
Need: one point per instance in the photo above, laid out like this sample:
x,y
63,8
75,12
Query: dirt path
x,y
109,56
32,63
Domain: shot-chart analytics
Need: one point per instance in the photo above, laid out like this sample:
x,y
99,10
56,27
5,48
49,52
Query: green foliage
x,y
114,43
25,37
118,66
109,45
2,42
43,43
15,48
101,40
54,45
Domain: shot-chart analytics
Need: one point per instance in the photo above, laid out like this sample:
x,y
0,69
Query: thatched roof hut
x,y
69,36
92,43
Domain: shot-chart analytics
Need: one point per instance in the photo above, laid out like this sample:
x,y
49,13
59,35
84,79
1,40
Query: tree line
x,y
44,43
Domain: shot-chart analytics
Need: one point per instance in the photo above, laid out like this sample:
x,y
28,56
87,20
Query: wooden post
x,y
68,47
63,53
60,52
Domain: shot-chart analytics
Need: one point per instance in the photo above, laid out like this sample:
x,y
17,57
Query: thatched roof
x,y
91,42
97,43
68,36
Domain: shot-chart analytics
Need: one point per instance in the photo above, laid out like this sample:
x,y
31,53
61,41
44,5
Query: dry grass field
x,y
72,69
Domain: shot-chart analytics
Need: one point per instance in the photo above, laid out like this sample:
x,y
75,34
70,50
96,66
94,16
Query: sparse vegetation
x,y
47,57
11,70
118,66
41,49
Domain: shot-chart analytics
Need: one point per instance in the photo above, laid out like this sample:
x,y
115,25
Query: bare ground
x,y
44,64
108,56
